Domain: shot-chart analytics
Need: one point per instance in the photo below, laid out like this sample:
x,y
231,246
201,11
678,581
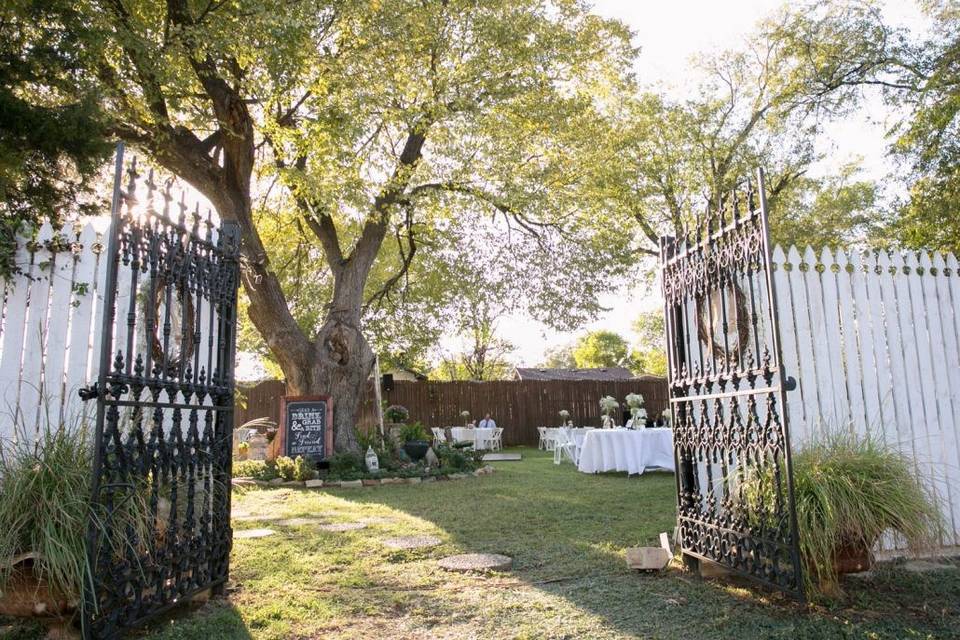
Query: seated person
x,y
487,423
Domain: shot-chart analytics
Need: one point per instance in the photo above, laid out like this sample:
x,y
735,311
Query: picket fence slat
x,y
875,339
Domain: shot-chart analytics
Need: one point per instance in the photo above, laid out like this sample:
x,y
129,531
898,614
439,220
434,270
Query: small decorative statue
x,y
373,464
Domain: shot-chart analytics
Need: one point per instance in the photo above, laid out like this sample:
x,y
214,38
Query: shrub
x,y
256,469
396,413
303,469
286,467
849,490
458,459
345,463
414,431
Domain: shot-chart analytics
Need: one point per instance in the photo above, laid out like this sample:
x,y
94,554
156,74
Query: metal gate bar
x,y
727,392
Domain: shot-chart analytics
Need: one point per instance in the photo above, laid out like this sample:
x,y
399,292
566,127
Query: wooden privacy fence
x,y
520,406
873,343
50,333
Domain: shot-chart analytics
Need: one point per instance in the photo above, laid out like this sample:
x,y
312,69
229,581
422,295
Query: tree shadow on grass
x,y
566,533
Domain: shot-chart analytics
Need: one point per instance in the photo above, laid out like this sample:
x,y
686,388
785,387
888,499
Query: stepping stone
x,y
412,542
476,562
343,526
300,522
255,518
377,520
247,534
502,457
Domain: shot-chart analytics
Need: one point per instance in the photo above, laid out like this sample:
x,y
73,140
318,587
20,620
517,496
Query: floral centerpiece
x,y
636,404
465,415
608,405
564,416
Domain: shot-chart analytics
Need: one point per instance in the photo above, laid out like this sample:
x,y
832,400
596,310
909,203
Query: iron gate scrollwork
x,y
159,530
727,393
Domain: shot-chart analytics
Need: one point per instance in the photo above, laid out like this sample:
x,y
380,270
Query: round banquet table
x,y
479,437
627,450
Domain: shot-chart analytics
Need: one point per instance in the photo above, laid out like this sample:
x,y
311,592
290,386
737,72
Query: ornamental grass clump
x,y
850,490
45,508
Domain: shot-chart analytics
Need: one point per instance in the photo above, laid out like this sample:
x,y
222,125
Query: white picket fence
x,y
50,330
872,341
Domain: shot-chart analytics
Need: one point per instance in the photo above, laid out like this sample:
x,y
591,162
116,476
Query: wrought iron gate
x,y
727,393
160,525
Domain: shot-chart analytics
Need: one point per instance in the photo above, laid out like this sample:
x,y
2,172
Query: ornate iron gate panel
x,y
160,525
727,393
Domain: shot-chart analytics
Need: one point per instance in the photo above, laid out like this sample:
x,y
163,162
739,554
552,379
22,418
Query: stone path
x,y
476,562
300,522
247,534
343,526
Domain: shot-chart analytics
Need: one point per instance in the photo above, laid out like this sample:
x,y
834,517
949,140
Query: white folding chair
x,y
495,442
543,438
439,437
564,444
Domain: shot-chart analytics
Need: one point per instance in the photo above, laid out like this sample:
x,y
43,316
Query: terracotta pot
x,y
26,596
852,558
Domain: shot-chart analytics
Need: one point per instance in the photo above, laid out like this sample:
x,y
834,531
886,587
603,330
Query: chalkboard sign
x,y
306,426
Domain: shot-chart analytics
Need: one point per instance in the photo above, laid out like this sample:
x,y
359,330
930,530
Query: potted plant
x,y
415,440
44,512
849,490
396,414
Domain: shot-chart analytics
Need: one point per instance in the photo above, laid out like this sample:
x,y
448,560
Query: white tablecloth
x,y
479,437
626,450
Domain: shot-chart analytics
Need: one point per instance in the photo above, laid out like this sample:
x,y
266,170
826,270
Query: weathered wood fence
x,y
518,406
873,343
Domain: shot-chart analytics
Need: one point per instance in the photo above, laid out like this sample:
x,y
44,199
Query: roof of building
x,y
605,373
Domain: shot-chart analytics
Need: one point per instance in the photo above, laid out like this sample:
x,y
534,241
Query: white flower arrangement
x,y
634,400
564,414
465,414
608,404
638,412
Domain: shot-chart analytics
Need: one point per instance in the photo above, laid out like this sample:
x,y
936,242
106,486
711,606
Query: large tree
x,y
761,105
378,120
51,132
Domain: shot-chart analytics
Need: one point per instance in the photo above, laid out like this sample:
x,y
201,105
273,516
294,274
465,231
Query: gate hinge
x,y
89,393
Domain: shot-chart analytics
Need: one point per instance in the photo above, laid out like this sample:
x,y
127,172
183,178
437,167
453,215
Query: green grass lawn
x,y
566,532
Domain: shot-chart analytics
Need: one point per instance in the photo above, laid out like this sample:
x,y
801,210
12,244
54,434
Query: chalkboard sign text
x,y
306,426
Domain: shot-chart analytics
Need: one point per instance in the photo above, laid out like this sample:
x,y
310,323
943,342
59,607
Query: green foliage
x,y
298,469
45,490
52,137
345,463
396,413
413,431
256,469
601,349
849,490
835,211
458,459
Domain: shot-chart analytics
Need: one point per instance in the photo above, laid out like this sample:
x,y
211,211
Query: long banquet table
x,y
632,451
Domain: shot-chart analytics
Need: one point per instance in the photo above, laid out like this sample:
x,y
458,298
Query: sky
x,y
669,34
